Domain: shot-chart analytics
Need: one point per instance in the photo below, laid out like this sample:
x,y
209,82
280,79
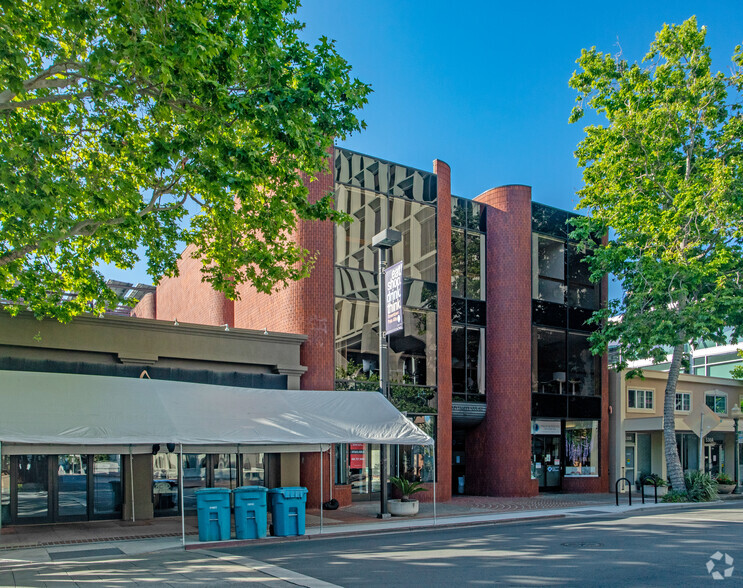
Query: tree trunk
x,y
673,463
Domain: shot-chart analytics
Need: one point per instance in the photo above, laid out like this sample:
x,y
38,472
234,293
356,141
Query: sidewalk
x,y
152,551
360,516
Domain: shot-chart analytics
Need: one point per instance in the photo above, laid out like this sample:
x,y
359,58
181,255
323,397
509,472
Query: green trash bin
x,y
213,512
251,517
287,510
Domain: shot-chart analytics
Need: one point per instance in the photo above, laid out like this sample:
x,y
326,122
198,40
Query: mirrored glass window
x,y
356,345
458,212
548,259
475,266
458,263
361,171
353,240
417,250
412,184
412,351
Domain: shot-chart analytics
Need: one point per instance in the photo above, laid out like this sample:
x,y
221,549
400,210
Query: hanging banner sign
x,y
357,452
393,295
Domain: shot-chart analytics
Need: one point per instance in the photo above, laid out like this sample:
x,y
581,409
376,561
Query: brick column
x,y
443,332
498,451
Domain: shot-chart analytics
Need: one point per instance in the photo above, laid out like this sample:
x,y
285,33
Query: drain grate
x,y
582,544
78,553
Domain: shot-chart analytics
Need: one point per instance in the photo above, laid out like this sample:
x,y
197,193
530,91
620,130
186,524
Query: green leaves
x,y
127,126
664,179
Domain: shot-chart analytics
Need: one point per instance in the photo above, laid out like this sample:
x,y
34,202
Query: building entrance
x,y
546,461
60,488
363,467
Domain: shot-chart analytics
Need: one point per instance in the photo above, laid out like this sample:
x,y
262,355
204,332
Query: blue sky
x,y
483,85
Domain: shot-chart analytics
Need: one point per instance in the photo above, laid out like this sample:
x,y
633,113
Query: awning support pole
x,y
322,475
180,491
131,480
434,483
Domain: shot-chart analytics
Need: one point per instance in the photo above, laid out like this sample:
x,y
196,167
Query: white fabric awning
x,y
51,409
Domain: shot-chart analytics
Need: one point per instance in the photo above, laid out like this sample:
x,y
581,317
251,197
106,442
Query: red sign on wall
x,y
357,455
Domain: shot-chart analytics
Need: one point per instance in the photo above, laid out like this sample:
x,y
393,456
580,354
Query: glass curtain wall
x,y
378,194
563,299
468,300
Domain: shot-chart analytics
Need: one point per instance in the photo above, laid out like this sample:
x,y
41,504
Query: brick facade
x,y
443,327
498,451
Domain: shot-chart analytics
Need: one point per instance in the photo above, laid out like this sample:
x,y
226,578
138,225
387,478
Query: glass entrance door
x,y
30,479
364,470
546,462
72,487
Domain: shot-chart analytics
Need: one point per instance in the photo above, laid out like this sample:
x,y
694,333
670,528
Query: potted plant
x,y
405,506
654,480
725,484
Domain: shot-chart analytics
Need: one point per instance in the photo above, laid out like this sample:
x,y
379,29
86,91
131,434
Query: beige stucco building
x,y
636,440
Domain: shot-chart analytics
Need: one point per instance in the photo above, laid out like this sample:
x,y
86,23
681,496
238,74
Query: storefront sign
x,y
357,456
393,297
544,427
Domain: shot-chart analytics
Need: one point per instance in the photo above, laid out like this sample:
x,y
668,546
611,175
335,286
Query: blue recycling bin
x,y
287,510
213,513
251,517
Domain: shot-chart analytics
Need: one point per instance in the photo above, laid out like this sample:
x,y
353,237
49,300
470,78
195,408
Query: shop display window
x,y
581,448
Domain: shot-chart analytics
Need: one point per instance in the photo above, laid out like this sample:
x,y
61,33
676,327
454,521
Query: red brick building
x,y
493,357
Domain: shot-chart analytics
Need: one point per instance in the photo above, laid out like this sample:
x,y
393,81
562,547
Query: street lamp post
x,y
383,242
735,413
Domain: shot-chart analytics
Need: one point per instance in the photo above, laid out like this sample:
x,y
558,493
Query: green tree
x,y
128,124
664,180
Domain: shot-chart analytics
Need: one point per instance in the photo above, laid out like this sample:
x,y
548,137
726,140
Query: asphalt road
x,y
651,548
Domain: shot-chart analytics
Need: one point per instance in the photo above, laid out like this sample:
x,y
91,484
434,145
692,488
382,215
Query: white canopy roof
x,y
81,410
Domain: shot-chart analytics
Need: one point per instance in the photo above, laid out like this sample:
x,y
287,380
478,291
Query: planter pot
x,y
649,491
725,488
398,508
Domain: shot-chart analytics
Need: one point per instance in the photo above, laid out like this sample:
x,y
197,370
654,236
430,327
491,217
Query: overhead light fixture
x,y
226,327
171,447
175,322
155,448
265,330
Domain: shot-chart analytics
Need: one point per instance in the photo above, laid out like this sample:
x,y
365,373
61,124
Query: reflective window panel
x,y
107,495
253,469
32,486
165,483
72,480
194,477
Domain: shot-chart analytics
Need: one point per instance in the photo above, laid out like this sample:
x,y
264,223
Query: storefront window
x,y
581,448
72,485
106,484
194,478
415,462
253,469
165,483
